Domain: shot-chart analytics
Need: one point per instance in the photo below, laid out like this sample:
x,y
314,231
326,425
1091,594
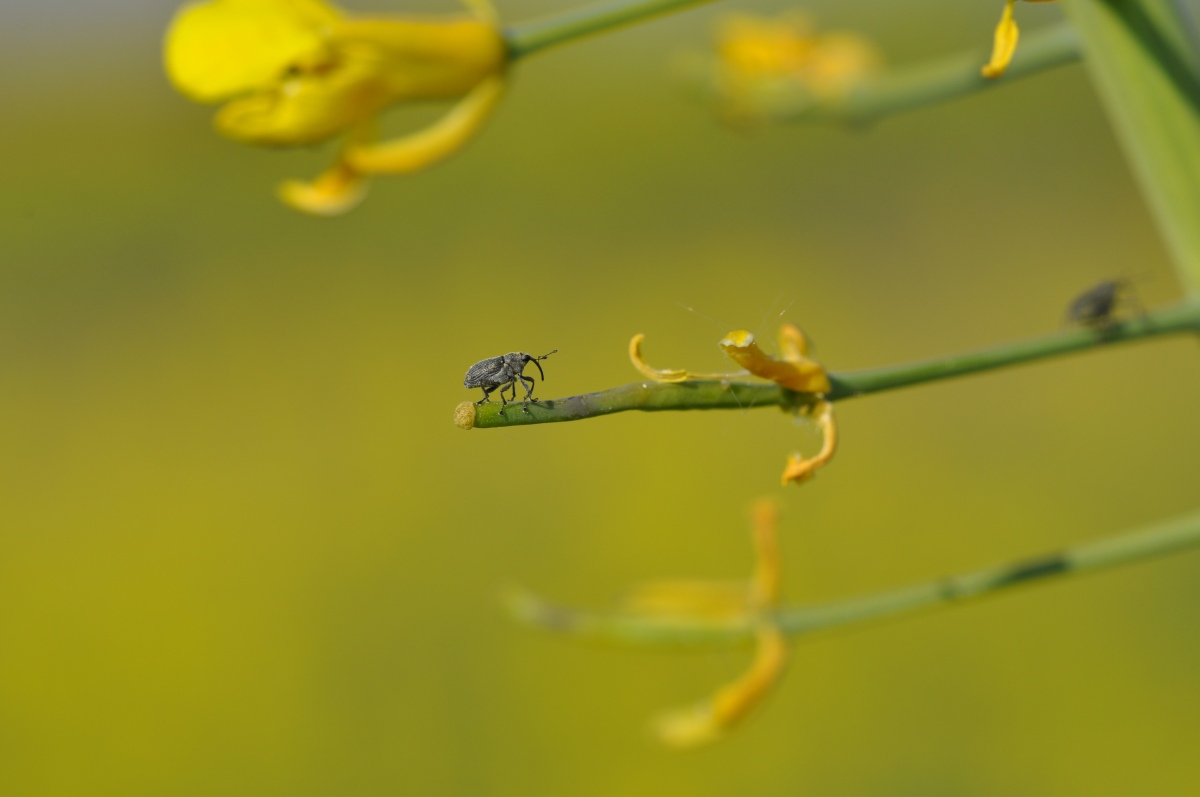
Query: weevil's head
x,y
529,358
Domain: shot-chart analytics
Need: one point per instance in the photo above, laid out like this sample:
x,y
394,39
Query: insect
x,y
1097,307
502,373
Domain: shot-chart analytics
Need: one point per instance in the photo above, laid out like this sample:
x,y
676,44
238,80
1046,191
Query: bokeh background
x,y
244,551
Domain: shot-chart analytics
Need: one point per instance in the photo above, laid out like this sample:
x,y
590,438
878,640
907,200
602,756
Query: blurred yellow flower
x,y
753,603
678,609
296,72
1005,43
759,59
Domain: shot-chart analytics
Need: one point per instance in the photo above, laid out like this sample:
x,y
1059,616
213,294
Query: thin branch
x,y
928,83
729,394
1158,541
532,37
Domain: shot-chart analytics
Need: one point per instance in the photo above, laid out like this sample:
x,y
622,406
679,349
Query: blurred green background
x,y
243,549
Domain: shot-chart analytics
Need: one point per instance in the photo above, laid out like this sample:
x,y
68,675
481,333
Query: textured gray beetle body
x,y
503,372
1097,307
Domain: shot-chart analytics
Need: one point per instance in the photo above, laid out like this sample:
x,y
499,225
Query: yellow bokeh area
x,y
244,550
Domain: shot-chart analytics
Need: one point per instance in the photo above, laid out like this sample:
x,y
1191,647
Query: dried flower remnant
x,y
793,370
762,62
1004,45
799,469
299,72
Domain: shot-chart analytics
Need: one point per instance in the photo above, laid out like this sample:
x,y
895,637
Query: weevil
x,y
502,373
1097,306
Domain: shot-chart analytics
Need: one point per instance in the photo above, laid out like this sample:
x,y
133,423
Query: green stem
x,y
937,81
1143,60
1157,541
531,37
729,394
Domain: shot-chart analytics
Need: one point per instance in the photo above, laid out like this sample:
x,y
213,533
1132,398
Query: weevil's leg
x,y
486,392
503,402
528,391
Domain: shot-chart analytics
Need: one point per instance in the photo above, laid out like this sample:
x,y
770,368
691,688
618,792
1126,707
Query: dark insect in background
x,y
1097,307
502,373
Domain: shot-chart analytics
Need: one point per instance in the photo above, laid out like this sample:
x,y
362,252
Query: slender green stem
x,y
730,394
908,88
1158,541
531,37
1143,59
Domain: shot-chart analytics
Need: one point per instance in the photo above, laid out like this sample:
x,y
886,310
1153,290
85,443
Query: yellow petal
x,y
639,362
437,142
793,344
709,720
223,48
428,59
798,469
312,104
333,193
1005,43
802,375
765,584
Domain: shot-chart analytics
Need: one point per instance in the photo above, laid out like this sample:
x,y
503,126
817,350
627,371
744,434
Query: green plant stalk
x,y
731,394
908,88
531,37
1154,542
1143,61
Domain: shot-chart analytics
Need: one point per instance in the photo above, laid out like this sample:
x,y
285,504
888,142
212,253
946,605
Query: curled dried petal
x,y
799,469
639,362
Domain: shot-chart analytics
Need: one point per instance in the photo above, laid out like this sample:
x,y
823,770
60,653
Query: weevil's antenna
x,y
534,360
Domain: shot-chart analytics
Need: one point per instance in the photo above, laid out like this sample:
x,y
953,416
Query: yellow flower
x,y
1005,43
710,719
760,59
298,72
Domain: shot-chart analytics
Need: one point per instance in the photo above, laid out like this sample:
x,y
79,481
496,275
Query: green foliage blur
x,y
244,551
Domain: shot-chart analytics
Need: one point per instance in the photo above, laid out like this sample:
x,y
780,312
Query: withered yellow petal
x,y
793,344
437,142
333,193
709,720
1004,45
802,375
798,469
639,362
219,49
